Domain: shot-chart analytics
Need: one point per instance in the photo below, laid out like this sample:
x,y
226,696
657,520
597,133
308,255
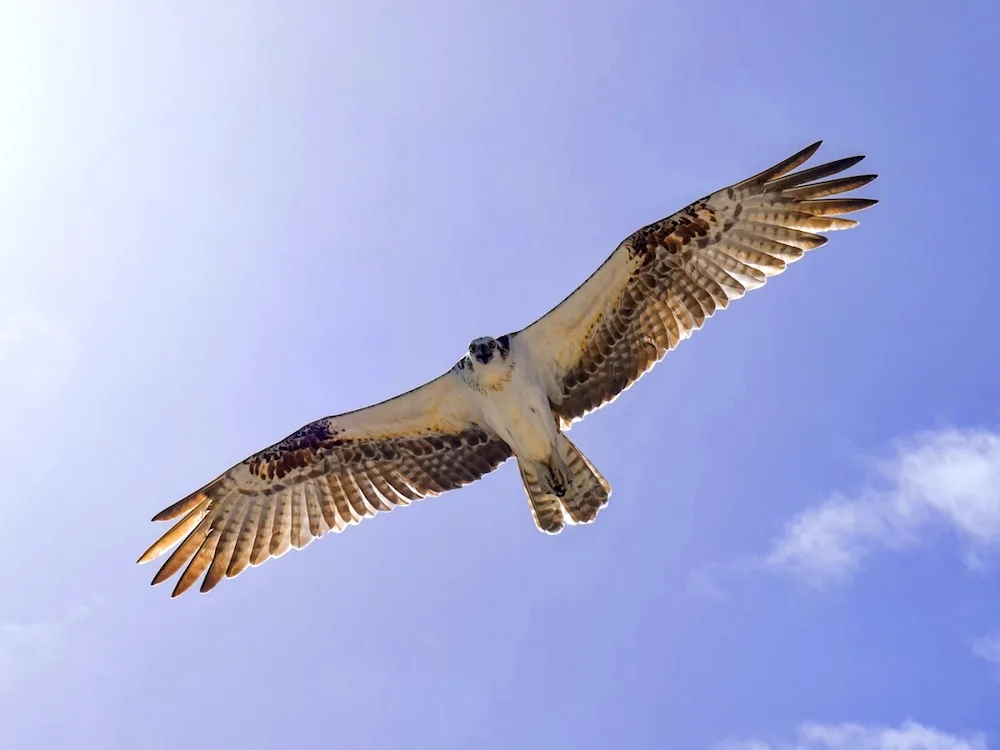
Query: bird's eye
x,y
493,344
472,348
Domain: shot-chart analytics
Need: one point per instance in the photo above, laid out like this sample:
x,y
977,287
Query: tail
x,y
567,489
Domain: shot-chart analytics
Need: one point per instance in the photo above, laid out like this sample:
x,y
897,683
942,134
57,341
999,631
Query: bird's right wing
x,y
327,476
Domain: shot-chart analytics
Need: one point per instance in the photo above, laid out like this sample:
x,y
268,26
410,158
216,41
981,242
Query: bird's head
x,y
483,349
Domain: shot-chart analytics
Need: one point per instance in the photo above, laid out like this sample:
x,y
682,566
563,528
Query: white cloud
x,y
987,648
908,736
948,479
36,356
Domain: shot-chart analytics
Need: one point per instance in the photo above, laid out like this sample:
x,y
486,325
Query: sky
x,y
220,221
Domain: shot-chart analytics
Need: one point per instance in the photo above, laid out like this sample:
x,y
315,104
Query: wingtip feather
x,y
817,190
786,165
181,507
803,177
177,532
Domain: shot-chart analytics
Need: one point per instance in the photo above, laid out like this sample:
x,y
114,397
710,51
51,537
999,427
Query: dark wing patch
x,y
685,267
311,482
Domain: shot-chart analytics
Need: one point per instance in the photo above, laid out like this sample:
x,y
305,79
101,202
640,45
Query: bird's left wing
x,y
665,280
328,475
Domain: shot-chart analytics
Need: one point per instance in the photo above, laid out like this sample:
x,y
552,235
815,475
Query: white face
x,y
483,349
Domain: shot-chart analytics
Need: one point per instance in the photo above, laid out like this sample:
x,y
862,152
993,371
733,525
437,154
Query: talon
x,y
557,487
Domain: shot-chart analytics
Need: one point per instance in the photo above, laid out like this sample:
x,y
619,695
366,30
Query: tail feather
x,y
586,490
546,508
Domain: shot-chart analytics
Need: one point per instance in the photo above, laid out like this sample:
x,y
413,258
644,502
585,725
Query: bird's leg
x,y
556,476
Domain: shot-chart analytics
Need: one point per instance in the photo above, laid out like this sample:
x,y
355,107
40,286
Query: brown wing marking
x,y
684,268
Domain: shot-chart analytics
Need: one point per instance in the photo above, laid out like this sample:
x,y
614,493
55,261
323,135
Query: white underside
x,y
520,414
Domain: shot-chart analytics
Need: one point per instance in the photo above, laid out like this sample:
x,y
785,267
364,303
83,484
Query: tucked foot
x,y
556,483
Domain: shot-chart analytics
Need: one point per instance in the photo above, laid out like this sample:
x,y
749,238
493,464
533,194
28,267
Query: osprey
x,y
514,395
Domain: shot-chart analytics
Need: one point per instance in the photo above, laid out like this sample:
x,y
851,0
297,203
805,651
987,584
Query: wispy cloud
x,y
941,480
987,648
908,736
29,647
702,582
36,356
949,478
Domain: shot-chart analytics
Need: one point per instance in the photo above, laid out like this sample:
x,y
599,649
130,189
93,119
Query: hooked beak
x,y
483,353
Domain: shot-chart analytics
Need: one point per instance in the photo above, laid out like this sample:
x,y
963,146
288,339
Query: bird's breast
x,y
521,415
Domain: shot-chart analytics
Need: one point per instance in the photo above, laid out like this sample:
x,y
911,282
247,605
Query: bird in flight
x,y
517,394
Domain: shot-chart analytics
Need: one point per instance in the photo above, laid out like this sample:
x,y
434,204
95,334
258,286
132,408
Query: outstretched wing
x,y
665,280
327,476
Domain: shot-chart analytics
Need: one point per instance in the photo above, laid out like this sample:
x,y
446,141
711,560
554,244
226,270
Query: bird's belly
x,y
521,415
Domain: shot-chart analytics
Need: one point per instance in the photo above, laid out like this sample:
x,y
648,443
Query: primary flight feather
x,y
516,394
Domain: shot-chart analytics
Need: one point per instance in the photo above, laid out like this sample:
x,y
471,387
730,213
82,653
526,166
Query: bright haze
x,y
219,222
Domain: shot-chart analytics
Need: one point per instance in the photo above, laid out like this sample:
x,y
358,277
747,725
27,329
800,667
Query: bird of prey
x,y
517,394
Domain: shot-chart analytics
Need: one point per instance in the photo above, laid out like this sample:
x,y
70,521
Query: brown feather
x,y
181,506
244,544
684,268
286,496
180,530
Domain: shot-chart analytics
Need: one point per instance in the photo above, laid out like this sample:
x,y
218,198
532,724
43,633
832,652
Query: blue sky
x,y
221,221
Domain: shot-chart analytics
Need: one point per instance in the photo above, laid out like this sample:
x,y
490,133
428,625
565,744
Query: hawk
x,y
515,395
